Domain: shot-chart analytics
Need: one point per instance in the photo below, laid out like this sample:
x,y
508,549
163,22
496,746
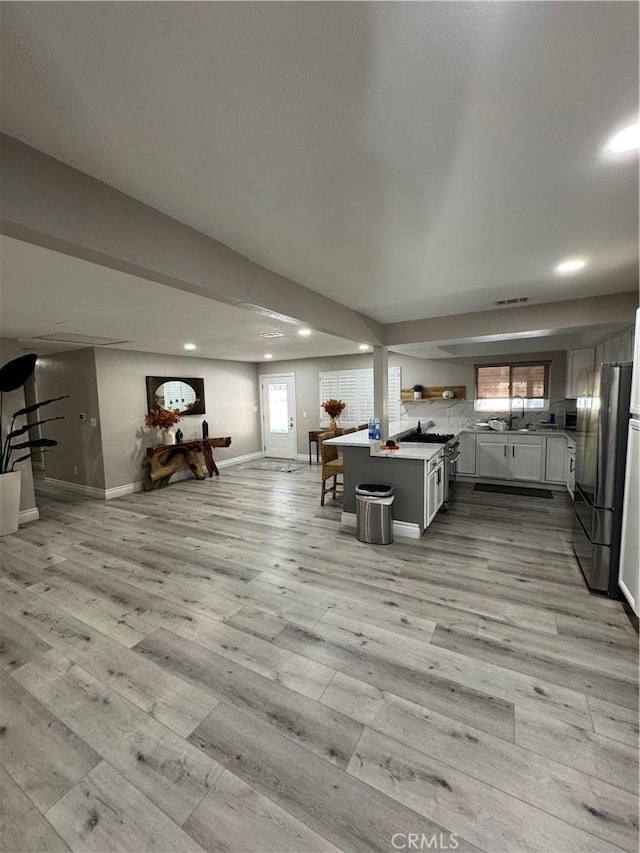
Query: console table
x,y
165,459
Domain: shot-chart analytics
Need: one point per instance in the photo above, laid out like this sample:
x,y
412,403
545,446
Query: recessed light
x,y
570,266
624,141
270,335
268,355
304,333
190,346
363,347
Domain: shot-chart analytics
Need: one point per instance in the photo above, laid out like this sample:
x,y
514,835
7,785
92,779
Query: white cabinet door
x,y
626,345
629,578
434,489
526,457
577,360
467,460
555,469
606,350
599,355
616,348
491,456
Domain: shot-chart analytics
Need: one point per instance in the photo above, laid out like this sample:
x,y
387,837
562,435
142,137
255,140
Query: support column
x,y
381,388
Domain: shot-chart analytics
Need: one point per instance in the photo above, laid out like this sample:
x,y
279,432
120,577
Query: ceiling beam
x,y
592,311
51,204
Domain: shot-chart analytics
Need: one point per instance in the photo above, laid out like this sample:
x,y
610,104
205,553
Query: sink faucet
x,y
513,417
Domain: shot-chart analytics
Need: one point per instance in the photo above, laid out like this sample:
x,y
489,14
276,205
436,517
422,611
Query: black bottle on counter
x,y
205,430
179,436
418,429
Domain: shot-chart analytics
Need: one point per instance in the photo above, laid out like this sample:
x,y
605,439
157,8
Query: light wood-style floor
x,y
220,666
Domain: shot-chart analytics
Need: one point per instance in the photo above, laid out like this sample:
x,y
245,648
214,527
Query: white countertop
x,y
424,452
397,429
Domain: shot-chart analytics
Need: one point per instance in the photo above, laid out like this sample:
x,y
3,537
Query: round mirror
x,y
176,395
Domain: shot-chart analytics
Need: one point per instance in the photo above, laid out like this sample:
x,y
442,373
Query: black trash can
x,y
374,513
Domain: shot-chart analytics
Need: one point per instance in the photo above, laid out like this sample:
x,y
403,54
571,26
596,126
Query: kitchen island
x,y
415,471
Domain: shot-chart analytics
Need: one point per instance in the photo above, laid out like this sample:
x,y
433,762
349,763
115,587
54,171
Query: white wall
x,y
78,457
231,395
436,372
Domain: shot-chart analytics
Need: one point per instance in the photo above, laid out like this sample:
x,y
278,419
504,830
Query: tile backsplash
x,y
460,414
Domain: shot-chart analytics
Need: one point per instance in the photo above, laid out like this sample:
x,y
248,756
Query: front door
x,y
278,416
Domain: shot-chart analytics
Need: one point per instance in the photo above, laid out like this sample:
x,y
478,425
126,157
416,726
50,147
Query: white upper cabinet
x,y
577,360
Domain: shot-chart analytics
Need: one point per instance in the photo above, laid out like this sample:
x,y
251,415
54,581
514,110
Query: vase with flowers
x,y
334,409
164,420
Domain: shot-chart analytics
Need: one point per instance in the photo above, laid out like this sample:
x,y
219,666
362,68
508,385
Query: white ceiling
x,y
48,293
406,159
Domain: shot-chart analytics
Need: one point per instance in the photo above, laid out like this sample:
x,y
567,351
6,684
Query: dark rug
x,y
525,492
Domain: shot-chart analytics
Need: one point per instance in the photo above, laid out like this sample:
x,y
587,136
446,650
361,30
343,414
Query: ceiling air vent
x,y
513,300
270,335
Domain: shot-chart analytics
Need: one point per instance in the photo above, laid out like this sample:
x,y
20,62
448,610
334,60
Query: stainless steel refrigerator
x,y
601,450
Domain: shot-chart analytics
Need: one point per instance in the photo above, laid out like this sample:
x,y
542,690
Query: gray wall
x,y
10,349
231,395
458,371
72,372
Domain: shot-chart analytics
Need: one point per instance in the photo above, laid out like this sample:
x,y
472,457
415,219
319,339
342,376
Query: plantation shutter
x,y
355,388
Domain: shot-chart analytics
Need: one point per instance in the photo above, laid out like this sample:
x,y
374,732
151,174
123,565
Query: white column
x,y
381,388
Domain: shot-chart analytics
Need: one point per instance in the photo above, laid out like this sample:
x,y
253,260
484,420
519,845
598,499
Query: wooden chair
x,y
331,465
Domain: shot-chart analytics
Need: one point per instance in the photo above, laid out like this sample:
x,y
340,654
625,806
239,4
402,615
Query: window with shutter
x,y
498,384
355,388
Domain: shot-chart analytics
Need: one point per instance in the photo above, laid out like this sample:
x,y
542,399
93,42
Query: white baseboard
x,y
26,515
304,457
238,460
78,488
401,529
131,488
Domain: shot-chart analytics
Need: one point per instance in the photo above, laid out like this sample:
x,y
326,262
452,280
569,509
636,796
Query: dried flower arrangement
x,y
162,418
333,407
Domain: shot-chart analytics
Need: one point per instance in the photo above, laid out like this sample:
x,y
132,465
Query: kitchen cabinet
x,y
434,488
555,466
606,351
571,468
577,360
626,345
526,457
511,457
491,456
467,460
616,348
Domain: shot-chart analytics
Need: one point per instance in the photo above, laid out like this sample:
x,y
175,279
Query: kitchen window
x,y
498,384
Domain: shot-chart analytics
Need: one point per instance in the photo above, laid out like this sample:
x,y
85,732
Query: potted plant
x,y
417,392
165,420
334,409
13,375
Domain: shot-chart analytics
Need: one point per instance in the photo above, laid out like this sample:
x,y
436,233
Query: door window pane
x,y
278,408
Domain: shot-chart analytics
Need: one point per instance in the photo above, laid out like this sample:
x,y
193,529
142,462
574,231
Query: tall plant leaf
x,y
15,373
16,432
37,442
22,458
28,409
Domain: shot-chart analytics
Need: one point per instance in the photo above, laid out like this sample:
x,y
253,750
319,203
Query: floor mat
x,y
286,467
513,490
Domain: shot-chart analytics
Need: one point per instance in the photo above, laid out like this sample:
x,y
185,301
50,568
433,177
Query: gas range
x,y
427,438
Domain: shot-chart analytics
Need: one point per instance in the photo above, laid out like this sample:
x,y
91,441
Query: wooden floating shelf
x,y
459,393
